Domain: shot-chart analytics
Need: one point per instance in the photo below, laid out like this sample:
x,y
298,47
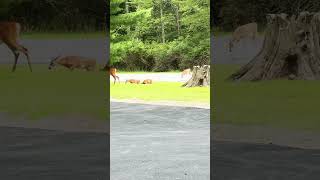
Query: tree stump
x,y
291,50
200,77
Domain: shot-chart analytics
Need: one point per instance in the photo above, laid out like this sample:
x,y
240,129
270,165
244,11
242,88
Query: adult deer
x,y
186,72
245,31
10,34
72,62
112,72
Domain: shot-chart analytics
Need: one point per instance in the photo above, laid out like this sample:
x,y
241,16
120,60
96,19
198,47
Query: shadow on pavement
x,y
44,154
244,161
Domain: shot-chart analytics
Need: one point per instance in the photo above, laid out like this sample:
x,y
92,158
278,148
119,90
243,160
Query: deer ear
x,y
52,58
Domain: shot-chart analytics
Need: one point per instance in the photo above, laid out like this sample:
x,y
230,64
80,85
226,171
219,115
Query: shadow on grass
x,y
278,103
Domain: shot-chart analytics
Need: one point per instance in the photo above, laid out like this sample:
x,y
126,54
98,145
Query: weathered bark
x,y
290,50
200,77
177,17
162,25
127,11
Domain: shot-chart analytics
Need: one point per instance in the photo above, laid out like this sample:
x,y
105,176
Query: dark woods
x,y
229,14
56,15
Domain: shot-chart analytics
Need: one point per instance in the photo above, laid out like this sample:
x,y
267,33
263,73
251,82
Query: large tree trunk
x,y
290,50
200,77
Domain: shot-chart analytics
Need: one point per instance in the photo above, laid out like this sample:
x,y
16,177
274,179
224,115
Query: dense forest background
x,y
159,35
228,14
56,15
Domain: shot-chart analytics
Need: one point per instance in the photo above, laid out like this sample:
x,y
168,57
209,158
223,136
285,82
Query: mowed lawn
x,y
279,103
160,91
45,93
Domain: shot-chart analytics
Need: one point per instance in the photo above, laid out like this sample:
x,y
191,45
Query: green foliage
x,y
159,35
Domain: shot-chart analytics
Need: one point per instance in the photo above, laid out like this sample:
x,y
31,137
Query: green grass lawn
x,y
63,35
45,93
160,91
279,103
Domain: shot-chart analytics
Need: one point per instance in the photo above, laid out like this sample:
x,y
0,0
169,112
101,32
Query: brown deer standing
x,y
10,34
185,72
112,72
72,62
244,31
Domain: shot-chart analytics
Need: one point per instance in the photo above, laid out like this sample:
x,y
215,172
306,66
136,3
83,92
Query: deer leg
x,y
16,56
118,79
231,44
28,59
114,79
254,36
29,63
26,53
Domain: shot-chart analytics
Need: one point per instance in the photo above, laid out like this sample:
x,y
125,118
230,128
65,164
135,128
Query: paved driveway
x,y
151,142
244,161
48,155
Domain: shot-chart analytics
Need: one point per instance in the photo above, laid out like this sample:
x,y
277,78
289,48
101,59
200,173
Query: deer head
x,y
53,62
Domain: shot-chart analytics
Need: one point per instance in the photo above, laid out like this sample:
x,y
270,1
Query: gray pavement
x,y
41,51
50,155
150,142
244,161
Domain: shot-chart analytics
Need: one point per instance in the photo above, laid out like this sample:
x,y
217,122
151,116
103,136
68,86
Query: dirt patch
x,y
266,135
